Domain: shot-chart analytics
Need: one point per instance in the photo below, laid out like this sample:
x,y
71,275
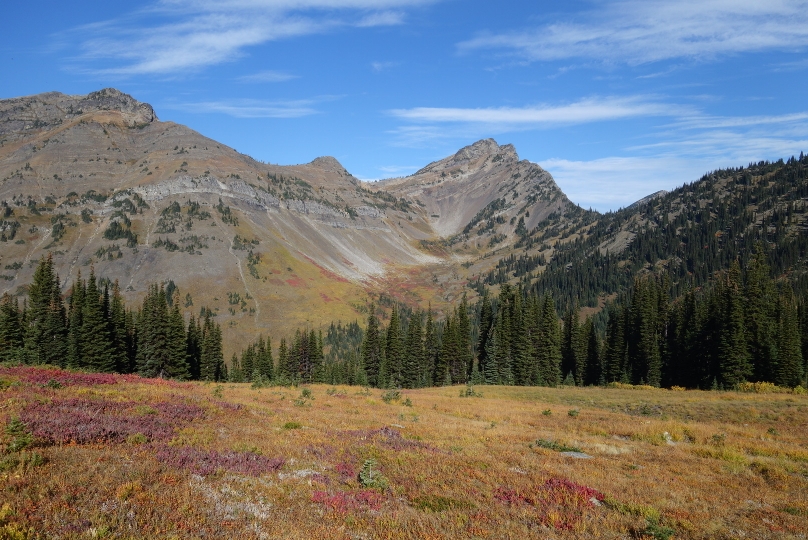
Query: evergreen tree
x,y
549,350
615,346
570,347
414,353
97,351
283,359
431,351
74,345
211,361
593,373
448,353
733,357
372,349
177,366
486,323
760,317
394,350
45,331
464,362
789,369
193,347
11,332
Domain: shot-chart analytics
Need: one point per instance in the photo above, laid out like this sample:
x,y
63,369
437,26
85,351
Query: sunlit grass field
x,y
111,456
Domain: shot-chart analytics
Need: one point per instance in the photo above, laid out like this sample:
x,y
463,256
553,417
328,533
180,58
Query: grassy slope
x,y
456,467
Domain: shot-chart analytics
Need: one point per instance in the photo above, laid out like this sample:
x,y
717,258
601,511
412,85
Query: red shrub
x,y
84,421
560,503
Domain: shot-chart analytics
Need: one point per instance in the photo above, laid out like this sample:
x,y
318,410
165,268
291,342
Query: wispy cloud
x,y
250,108
175,36
383,18
267,76
614,182
682,152
583,111
378,67
638,31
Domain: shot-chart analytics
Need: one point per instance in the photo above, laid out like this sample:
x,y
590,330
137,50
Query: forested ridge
x,y
707,290
95,331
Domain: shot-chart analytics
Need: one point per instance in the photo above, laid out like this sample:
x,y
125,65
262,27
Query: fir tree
x,y
549,351
789,369
371,348
11,333
76,313
414,353
394,350
97,351
733,358
431,351
486,323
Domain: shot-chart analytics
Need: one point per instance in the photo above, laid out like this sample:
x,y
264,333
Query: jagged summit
x,y
327,163
484,148
22,115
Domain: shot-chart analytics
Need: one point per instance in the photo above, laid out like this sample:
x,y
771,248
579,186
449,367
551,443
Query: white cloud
x,y
193,34
583,111
378,67
250,108
639,31
383,18
267,76
615,182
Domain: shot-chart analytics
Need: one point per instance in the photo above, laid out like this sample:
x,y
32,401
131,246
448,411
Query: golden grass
x,y
708,465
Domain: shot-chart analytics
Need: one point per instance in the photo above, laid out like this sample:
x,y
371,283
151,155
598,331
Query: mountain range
x,y
100,182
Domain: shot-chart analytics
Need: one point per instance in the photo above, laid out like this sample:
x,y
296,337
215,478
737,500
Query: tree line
x,y
95,331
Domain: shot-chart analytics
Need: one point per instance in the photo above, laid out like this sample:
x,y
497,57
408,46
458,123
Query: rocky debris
x,y
18,116
577,455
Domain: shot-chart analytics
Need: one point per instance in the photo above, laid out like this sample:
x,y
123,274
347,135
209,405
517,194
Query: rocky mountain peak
x,y
327,163
484,147
25,114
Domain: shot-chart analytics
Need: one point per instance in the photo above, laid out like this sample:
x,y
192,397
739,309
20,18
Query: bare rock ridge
x,y
100,180
21,115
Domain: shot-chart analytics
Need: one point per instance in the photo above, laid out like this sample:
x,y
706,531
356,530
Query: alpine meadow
x,y
592,322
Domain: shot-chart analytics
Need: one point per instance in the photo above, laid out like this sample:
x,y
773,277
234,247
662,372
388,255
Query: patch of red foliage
x,y
296,282
343,502
325,297
559,502
40,376
84,421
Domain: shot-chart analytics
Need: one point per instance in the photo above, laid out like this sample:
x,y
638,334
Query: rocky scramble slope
x,y
100,181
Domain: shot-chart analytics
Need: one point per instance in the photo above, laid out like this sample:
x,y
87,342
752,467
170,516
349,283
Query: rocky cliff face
x,y
296,243
20,117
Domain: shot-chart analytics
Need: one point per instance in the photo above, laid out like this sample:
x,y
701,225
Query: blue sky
x,y
616,99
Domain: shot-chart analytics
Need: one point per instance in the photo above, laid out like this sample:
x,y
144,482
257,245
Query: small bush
x,y
469,391
292,425
371,477
554,445
407,402
657,531
391,395
20,436
573,412
547,412
439,503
